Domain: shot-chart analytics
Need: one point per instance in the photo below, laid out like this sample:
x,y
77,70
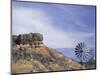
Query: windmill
x,y
83,53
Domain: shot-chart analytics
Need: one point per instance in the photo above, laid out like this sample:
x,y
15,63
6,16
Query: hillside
x,y
29,55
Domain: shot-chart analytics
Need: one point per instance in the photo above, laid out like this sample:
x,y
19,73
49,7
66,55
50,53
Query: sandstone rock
x,y
30,55
38,66
53,67
31,39
22,66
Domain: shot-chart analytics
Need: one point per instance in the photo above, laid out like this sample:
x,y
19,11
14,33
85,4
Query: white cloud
x,y
26,20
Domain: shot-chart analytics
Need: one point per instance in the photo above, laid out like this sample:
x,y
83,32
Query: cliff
x,y
30,55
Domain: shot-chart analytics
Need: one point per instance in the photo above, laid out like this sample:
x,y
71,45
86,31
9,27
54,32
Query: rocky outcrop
x,y
34,39
30,55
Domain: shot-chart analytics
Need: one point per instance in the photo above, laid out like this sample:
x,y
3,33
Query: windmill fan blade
x,y
77,51
79,55
76,48
84,57
80,46
76,54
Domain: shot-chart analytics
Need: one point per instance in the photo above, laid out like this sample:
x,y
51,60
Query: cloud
x,y
26,20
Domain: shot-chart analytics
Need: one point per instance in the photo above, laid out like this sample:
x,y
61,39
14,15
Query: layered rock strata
x,y
30,55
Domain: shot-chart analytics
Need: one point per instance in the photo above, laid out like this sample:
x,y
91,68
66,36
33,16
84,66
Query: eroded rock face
x,y
34,39
30,55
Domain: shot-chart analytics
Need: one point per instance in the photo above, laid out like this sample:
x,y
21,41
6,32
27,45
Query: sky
x,y
62,25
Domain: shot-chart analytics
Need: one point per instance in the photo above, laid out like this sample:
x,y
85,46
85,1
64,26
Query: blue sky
x,y
63,26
